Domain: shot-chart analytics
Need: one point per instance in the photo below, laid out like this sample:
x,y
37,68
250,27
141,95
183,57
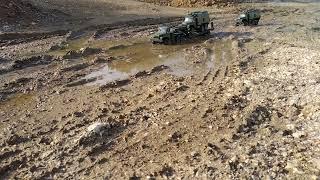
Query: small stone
x,y
77,114
168,123
98,128
299,134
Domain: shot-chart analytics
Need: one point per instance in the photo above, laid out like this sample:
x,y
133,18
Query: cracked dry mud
x,y
242,103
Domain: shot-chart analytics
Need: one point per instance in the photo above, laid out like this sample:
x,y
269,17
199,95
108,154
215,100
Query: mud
x,y
241,103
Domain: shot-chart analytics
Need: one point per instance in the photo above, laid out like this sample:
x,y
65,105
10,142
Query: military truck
x,y
249,17
194,24
167,35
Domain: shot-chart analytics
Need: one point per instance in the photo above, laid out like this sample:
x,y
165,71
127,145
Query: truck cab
x,y
197,22
167,35
249,17
194,24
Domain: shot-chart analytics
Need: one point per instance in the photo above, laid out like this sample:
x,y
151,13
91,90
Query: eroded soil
x,y
242,103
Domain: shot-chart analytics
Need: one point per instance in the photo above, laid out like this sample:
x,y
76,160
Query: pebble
x,y
299,134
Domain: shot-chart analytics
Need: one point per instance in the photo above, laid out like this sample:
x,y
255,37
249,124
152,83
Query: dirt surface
x,y
20,14
190,3
14,10
204,3
102,102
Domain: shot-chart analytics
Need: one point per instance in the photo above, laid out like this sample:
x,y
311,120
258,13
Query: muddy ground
x,y
102,102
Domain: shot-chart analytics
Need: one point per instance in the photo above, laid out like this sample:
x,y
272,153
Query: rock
x,y
89,51
299,134
182,88
98,128
74,34
78,114
175,137
140,74
72,55
32,61
15,139
45,140
2,60
75,67
103,59
159,68
83,52
117,47
60,46
80,82
99,60
257,117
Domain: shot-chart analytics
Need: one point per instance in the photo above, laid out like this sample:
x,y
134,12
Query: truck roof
x,y
198,13
252,11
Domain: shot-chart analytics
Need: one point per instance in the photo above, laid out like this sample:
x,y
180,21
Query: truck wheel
x,y
256,22
245,23
178,39
191,31
166,41
203,28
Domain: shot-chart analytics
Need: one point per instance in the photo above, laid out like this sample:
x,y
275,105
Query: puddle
x,y
135,55
137,58
141,56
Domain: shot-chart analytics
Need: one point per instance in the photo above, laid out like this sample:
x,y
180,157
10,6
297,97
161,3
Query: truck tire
x,y
203,28
256,22
245,23
191,31
166,41
178,41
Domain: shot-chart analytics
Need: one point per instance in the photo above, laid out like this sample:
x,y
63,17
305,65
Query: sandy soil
x,y
101,102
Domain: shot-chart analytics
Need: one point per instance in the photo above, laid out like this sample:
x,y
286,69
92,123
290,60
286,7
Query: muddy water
x,y
135,55
143,56
140,56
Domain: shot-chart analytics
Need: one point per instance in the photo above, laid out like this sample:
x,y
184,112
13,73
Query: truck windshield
x,y
242,16
163,30
188,19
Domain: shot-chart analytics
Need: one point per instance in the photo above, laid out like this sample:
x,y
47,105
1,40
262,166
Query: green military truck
x,y
249,17
194,24
167,35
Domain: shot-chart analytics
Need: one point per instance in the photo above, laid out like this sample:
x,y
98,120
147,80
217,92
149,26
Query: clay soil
x,y
241,103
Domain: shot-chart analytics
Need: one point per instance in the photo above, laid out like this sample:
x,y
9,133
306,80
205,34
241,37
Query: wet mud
x,y
103,102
